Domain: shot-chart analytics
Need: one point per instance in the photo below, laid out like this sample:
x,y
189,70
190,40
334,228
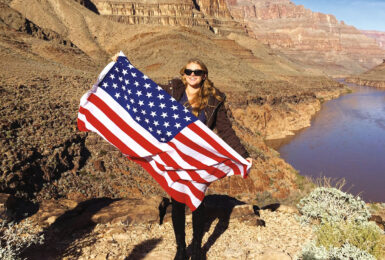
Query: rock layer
x,y
316,39
378,36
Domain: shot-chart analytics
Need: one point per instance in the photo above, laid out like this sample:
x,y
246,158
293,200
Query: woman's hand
x,y
115,57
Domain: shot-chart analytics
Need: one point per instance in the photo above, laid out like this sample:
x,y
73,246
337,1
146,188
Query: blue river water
x,y
346,139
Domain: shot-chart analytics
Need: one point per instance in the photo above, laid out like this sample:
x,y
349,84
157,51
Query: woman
x,y
196,92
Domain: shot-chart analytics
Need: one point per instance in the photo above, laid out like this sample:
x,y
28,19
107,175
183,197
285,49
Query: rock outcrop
x,y
315,39
209,14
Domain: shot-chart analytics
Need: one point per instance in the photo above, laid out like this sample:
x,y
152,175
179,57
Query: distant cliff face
x,y
320,39
210,14
378,36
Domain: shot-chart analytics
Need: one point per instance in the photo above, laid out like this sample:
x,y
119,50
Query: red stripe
x,y
197,164
114,117
188,142
107,133
197,130
176,178
177,195
82,126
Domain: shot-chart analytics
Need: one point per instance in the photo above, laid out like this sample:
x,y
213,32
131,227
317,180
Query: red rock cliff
x,y
320,39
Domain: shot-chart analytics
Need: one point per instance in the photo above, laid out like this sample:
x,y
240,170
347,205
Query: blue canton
x,y
146,102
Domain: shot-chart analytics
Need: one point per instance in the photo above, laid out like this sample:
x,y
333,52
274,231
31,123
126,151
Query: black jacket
x,y
216,115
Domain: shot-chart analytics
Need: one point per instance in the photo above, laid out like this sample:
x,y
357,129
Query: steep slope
x,y
374,77
316,39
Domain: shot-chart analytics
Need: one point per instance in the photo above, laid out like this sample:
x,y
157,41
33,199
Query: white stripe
x,y
203,159
176,185
116,131
222,143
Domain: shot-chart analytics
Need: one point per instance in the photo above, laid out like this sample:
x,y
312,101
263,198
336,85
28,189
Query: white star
x,y
105,84
141,103
117,95
174,107
151,104
129,91
175,116
112,76
150,128
132,101
161,96
120,79
137,118
124,72
168,133
164,115
127,82
130,66
149,94
116,69
162,105
177,125
158,88
145,77
147,85
125,97
172,99
185,110
143,112
135,110
187,118
133,74
128,107
153,113
166,124
163,139
156,123
136,83
123,87
115,86
138,93
146,120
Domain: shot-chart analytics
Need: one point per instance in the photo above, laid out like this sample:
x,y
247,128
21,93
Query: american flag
x,y
150,127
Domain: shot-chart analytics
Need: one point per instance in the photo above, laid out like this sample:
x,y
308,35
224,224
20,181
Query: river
x,y
346,139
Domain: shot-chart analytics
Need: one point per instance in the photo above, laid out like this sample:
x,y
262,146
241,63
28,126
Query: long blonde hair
x,y
200,101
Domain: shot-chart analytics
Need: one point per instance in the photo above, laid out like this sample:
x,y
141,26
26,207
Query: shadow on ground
x,y
69,227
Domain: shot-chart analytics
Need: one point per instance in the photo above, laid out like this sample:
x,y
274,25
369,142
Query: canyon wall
x,y
316,39
378,36
209,14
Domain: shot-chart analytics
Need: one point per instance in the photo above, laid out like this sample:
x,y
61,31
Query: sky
x,y
362,14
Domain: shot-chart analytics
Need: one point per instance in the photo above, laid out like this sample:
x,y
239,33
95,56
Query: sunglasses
x,y
196,72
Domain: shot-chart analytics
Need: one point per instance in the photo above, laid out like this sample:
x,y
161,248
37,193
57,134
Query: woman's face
x,y
192,79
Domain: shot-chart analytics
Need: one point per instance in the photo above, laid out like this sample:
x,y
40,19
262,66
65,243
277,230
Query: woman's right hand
x,y
115,57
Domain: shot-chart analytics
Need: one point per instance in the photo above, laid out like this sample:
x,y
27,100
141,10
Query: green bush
x,y
366,236
346,252
332,205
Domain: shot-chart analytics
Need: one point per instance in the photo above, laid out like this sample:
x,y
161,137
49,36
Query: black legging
x,y
178,221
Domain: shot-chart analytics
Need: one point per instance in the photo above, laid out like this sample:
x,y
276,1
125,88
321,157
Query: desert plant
x,y
366,236
346,252
332,205
15,238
